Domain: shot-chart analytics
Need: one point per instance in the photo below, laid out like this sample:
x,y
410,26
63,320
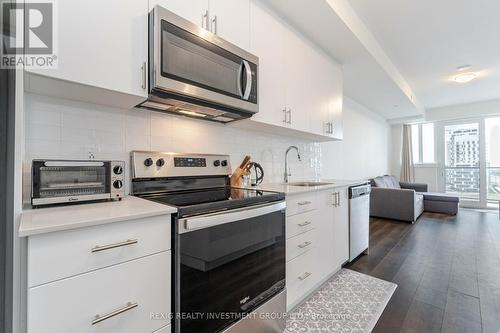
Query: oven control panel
x,y
190,162
147,164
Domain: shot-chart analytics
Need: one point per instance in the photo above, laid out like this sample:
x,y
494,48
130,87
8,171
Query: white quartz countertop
x,y
291,189
44,220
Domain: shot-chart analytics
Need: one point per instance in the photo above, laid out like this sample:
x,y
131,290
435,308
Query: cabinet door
x,y
298,80
230,19
341,217
267,42
319,111
102,44
335,98
326,242
195,11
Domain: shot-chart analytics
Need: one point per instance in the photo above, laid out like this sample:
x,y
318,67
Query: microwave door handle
x,y
238,83
248,86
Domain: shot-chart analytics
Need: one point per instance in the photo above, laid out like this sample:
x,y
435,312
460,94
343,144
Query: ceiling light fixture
x,y
464,77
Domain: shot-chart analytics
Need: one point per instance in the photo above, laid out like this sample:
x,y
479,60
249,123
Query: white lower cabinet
x,y
317,240
62,254
113,278
117,299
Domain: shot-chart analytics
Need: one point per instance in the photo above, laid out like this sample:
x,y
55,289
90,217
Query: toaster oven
x,y
59,181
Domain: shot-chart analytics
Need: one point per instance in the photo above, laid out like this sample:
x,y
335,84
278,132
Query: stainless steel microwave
x,y
57,181
195,73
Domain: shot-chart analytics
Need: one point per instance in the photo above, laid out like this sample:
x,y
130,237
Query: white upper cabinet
x,y
102,44
230,19
195,11
300,87
267,41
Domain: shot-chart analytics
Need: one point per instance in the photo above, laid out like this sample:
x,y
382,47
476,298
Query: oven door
x,y
193,62
227,265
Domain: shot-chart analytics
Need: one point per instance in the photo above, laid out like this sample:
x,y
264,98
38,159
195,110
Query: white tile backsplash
x,y
59,128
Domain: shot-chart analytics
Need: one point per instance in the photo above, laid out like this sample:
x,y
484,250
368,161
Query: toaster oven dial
x,y
148,162
117,184
216,163
160,162
224,163
118,170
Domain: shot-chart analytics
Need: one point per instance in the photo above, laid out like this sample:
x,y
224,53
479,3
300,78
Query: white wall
x,y
58,128
396,149
464,111
364,152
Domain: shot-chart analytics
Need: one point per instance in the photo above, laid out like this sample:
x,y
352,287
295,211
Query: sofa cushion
x,y
393,182
432,196
385,182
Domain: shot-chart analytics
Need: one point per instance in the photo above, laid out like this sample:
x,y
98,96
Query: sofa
x,y
396,200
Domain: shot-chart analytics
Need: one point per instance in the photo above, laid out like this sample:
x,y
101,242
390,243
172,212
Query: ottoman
x,y
440,203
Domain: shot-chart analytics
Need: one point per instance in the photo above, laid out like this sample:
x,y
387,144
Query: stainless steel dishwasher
x,y
359,220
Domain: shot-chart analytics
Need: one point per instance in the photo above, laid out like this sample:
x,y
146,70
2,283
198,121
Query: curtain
x,y
407,167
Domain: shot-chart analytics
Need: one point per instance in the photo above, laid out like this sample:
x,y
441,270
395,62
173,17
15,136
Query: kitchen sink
x,y
308,183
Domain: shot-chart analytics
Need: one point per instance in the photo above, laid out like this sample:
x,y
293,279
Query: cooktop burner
x,y
213,199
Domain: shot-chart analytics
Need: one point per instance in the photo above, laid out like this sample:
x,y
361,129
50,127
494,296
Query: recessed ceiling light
x,y
465,77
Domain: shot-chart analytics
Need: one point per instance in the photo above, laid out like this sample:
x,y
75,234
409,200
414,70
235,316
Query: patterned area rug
x,y
348,302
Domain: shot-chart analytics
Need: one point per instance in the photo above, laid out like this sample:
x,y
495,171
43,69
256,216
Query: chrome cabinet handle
x,y
335,199
204,20
99,318
304,203
305,244
289,116
285,120
306,223
144,75
213,28
331,128
99,248
305,276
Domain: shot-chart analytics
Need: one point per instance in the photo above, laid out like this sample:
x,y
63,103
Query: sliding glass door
x,y
462,160
492,165
469,158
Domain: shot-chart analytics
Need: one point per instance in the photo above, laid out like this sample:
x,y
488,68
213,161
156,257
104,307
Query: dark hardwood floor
x,y
447,269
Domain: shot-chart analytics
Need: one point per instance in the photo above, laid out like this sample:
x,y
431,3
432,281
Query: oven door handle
x,y
211,220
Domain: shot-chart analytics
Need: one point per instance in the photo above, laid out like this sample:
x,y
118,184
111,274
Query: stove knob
x,y
148,162
223,163
160,162
118,170
216,163
117,184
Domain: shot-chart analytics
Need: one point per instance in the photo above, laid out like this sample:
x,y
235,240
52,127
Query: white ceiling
x,y
427,39
365,79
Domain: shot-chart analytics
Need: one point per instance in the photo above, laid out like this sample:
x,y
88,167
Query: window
x,y
422,137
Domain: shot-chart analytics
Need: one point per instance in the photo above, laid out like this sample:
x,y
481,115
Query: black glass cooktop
x,y
214,199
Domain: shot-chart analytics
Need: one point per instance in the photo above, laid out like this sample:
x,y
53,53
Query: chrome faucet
x,y
287,169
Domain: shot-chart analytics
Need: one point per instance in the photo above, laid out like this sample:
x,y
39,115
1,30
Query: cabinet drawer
x,y
300,277
301,203
300,223
300,244
63,254
133,291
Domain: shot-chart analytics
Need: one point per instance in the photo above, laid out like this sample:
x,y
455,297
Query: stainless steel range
x,y
229,243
